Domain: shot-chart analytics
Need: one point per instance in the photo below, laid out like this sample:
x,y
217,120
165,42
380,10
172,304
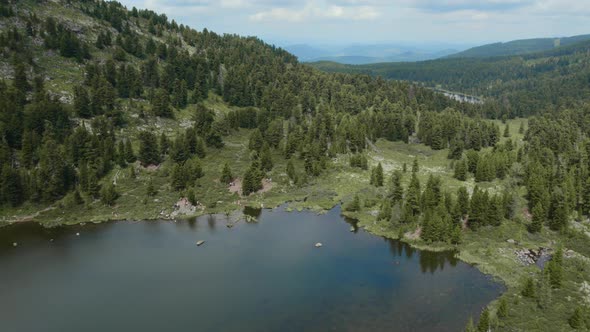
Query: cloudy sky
x,y
377,21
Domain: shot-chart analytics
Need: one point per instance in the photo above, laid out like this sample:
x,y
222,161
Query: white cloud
x,y
316,10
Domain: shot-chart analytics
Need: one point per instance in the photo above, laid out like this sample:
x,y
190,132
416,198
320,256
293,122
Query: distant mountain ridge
x,y
518,47
358,54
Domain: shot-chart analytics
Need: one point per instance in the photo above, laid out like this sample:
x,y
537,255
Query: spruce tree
x,y
528,289
151,189
129,154
576,320
461,170
415,166
266,158
108,194
149,153
291,171
502,308
396,190
377,176
484,321
538,218
555,269
226,175
256,141
385,212
558,211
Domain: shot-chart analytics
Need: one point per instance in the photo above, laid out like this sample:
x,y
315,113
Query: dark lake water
x,y
264,276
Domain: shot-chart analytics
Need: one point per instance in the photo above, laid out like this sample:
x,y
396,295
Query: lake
x,y
261,276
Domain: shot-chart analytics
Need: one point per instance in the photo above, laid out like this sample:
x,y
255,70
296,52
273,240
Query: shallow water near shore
x,y
261,276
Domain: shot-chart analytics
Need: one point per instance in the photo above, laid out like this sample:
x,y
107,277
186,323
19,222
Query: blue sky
x,y
380,21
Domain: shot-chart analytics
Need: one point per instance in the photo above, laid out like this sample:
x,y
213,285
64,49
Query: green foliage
x,y
555,269
354,205
461,170
108,194
385,212
538,218
252,181
576,320
484,321
226,174
377,176
149,153
359,160
528,290
502,308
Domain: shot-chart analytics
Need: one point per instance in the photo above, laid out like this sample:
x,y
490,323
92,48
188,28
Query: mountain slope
x,y
517,85
518,47
102,86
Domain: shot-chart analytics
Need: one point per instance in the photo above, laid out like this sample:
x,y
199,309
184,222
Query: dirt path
x,y
30,217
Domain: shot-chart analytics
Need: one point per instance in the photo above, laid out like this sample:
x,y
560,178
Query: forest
x,y
513,86
130,95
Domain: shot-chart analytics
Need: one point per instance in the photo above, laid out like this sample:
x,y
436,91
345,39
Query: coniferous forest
x,y
114,113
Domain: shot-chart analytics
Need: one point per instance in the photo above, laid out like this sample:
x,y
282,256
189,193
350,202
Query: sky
x,y
285,22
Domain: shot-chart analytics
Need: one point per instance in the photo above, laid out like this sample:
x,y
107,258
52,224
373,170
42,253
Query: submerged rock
x,y
14,244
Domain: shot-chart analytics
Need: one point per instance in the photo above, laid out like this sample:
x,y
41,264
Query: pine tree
x,y
470,327
256,141
385,212
521,128
472,160
11,189
226,175
558,212
484,321
129,154
502,308
538,218
461,170
150,189
149,153
252,181
555,269
108,194
161,104
586,197
412,204
266,158
93,187
461,207
377,176
415,166
528,289
576,320
396,190
121,154
291,171
354,205
164,144
507,131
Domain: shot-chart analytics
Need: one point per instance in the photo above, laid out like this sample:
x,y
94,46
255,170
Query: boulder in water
x,y
319,244
200,242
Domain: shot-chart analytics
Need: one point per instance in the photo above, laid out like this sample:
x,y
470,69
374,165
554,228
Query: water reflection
x,y
252,212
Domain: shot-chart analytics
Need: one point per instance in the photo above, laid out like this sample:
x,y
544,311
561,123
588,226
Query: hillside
x,y
114,113
514,85
518,47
